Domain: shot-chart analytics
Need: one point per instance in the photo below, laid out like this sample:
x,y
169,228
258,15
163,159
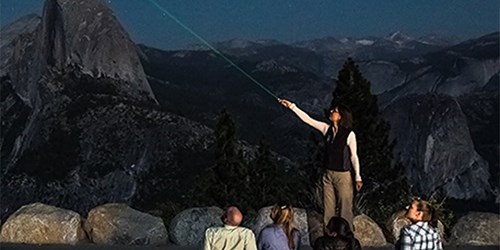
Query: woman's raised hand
x,y
285,103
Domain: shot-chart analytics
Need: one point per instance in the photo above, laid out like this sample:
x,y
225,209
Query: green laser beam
x,y
212,48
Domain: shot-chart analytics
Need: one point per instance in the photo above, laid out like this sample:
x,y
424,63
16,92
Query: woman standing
x,y
340,156
281,235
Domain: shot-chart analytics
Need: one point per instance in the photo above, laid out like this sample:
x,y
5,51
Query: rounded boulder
x,y
118,224
39,223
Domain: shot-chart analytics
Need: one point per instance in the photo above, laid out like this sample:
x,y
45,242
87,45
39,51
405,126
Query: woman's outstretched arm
x,y
321,126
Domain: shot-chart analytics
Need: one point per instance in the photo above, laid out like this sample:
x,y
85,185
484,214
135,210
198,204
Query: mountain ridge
x,y
314,94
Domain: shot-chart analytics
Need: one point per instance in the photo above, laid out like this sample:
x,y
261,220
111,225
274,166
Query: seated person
x,y
338,236
281,235
422,233
231,235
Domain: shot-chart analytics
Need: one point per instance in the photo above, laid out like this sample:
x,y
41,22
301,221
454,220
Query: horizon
x,y
287,22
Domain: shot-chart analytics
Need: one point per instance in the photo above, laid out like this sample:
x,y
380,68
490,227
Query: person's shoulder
x,y
434,231
349,131
270,229
245,230
319,243
331,242
410,229
321,240
213,229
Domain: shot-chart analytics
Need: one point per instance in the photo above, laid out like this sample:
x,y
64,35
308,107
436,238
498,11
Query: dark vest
x,y
337,153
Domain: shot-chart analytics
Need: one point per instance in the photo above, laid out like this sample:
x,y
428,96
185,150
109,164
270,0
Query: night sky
x,y
289,20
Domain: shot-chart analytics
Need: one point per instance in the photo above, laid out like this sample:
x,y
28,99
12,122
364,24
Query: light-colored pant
x,y
337,188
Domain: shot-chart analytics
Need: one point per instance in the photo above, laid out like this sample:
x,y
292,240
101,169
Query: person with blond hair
x,y
422,234
231,235
281,235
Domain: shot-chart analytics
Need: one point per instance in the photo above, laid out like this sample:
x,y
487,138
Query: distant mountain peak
x,y
244,44
365,42
268,42
274,66
236,43
85,34
439,40
96,40
399,37
345,40
25,23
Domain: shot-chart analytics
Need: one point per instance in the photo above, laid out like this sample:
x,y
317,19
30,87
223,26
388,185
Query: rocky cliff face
x,y
88,148
19,48
482,112
80,124
82,33
435,146
458,70
96,41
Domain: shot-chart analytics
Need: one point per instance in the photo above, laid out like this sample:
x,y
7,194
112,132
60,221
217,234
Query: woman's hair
x,y
429,212
345,115
341,227
283,215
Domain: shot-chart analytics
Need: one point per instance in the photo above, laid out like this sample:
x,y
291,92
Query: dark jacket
x,y
336,243
337,153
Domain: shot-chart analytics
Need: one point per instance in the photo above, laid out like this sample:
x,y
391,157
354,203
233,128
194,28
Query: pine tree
x,y
385,185
226,182
264,177
270,184
233,181
310,173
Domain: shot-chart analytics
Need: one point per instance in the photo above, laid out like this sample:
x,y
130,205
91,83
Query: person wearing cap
x,y
230,235
339,159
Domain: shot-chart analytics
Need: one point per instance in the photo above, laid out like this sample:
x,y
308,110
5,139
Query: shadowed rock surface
x,y
436,148
315,222
89,148
395,223
478,229
188,227
368,232
118,224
